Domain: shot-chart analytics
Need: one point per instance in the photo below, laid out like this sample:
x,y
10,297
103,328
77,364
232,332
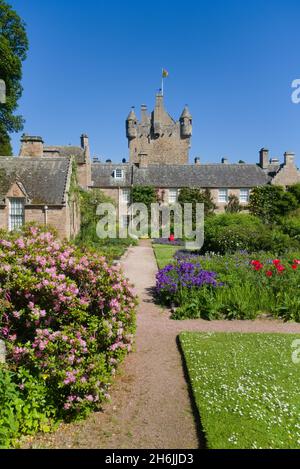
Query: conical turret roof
x,y
186,113
131,115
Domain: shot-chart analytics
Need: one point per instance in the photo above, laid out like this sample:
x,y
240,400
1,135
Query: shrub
x,y
229,233
196,196
233,205
87,239
67,318
271,202
23,406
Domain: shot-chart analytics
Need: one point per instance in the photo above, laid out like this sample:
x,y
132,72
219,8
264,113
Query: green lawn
x,y
164,254
246,388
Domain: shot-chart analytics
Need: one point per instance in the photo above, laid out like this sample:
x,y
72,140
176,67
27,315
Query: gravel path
x,y
151,406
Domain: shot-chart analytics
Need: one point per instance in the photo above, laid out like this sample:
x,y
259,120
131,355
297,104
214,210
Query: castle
x,y
36,185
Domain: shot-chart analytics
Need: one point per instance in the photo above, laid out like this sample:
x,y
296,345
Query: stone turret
x,y
186,123
157,138
131,123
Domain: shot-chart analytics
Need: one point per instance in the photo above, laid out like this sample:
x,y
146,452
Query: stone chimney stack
x,y
197,161
225,161
144,114
289,158
264,158
31,146
85,145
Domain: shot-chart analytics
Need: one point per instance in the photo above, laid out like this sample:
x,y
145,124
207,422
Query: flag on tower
x,y
165,73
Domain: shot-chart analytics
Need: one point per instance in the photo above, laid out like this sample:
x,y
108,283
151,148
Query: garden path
x,y
150,406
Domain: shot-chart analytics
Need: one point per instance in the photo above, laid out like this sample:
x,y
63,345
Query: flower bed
x,y
242,287
168,241
67,318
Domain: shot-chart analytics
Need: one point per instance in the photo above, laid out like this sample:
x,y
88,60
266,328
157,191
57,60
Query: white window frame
x,y
118,173
244,196
14,206
125,196
173,196
223,196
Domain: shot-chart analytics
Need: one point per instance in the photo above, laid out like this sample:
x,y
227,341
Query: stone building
x,y
37,185
157,138
36,189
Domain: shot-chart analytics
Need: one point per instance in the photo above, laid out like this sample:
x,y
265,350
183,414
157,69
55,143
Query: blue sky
x,y
231,61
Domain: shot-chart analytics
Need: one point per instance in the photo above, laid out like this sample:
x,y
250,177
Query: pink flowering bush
x,y
66,317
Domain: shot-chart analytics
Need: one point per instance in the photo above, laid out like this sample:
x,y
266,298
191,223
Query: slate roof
x,y
102,175
66,152
43,179
203,176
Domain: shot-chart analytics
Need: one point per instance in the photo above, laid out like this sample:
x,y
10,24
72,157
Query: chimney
x,y
144,115
85,145
274,161
289,158
31,146
264,158
197,161
224,160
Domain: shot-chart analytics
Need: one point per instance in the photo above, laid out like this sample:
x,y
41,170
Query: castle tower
x,y
157,138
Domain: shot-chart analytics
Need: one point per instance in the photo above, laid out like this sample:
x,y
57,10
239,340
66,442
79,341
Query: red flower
x,y
276,262
269,273
257,265
296,261
280,268
295,266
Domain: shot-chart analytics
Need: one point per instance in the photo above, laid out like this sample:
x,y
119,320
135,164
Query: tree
x,y
144,195
196,196
271,202
295,190
13,49
233,205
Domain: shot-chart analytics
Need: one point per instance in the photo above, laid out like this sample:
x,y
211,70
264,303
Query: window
x,y
173,196
223,196
124,221
118,174
16,214
244,196
125,196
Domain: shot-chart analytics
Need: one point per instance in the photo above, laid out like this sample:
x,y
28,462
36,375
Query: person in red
x,y
172,238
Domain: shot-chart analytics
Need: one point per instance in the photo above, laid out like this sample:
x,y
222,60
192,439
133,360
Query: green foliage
x,y
87,238
13,49
144,195
228,233
269,203
246,388
196,196
295,191
24,409
233,205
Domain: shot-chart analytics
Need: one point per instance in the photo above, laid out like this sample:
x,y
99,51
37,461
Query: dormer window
x,y
118,174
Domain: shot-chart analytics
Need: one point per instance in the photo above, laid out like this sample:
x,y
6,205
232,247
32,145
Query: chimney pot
x,y
224,160
197,161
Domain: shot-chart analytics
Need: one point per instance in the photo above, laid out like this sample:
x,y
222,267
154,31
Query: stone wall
x,y
66,220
